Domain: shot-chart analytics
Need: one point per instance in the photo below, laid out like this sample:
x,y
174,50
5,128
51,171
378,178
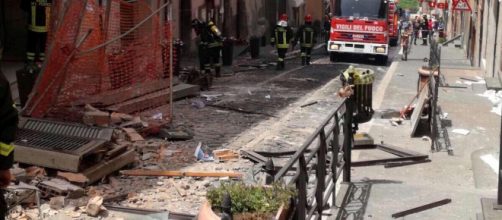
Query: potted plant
x,y
247,202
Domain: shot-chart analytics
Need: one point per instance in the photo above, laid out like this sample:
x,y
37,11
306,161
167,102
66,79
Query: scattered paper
x,y
201,155
157,116
211,97
461,131
496,99
267,96
197,103
445,115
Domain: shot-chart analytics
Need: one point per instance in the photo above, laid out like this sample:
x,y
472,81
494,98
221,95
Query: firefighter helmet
x,y
282,23
196,22
284,17
308,18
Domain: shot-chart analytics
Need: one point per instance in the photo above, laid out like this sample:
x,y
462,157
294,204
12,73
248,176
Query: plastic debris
x,y
461,131
201,155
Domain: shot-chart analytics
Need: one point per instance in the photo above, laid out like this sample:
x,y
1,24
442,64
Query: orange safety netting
x,y
102,55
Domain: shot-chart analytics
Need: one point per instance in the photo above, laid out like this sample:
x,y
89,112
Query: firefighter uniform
x,y
214,45
307,36
38,21
210,45
8,125
281,36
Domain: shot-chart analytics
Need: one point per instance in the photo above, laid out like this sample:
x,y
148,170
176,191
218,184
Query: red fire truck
x,y
393,17
359,27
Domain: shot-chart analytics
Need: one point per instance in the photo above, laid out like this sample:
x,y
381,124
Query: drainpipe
x,y
499,189
170,20
496,33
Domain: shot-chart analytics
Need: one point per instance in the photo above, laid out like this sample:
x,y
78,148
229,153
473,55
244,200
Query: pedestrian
x,y
307,36
281,36
326,28
8,126
424,25
441,27
38,23
416,28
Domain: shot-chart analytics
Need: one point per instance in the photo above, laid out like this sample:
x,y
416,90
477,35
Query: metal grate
x,y
66,129
49,141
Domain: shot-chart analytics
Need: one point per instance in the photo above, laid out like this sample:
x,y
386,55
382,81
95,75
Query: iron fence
x,y
439,133
320,162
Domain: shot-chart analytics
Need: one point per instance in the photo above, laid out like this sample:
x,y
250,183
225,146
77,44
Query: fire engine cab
x,y
359,27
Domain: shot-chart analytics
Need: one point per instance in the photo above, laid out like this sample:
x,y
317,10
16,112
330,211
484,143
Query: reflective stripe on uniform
x,y
215,44
303,54
281,35
30,56
5,149
39,29
33,14
308,37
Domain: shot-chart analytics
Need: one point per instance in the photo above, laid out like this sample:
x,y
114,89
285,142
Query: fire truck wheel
x,y
333,57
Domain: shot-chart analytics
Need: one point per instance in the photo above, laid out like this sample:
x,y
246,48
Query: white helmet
x,y
282,23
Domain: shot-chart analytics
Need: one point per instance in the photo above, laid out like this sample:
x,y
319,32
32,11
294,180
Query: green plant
x,y
251,199
409,4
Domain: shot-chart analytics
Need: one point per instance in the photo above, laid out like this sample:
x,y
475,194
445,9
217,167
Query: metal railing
x,y
439,133
324,157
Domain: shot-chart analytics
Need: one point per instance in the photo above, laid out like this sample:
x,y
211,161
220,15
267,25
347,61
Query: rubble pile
x,y
44,192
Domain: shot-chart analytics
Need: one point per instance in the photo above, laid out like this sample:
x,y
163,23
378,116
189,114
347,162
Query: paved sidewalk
x,y
464,178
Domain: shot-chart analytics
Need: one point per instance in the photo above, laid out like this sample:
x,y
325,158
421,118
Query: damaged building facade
x,y
479,32
241,19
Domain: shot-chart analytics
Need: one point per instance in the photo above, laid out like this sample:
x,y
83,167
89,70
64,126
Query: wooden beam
x,y
173,173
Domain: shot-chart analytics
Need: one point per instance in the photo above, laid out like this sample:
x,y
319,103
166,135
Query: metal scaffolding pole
x,y
499,189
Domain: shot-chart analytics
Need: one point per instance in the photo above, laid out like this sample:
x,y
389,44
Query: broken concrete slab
x,y
98,118
58,187
57,202
94,206
100,170
155,99
132,135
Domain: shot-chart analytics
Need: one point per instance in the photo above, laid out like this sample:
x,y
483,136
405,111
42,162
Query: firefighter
x,y
326,28
210,45
38,22
198,27
8,125
307,36
281,36
215,45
